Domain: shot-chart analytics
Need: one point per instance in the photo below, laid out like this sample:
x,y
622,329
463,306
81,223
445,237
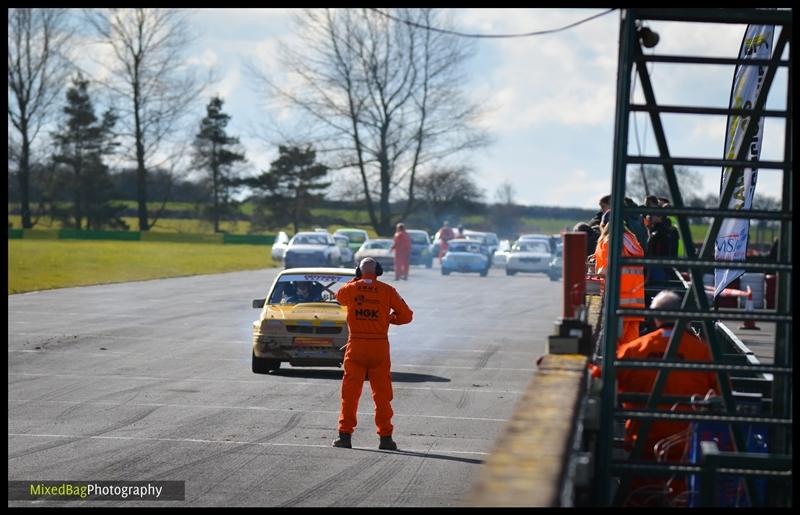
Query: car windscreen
x,y
533,246
353,236
418,238
463,247
379,245
310,239
477,237
303,288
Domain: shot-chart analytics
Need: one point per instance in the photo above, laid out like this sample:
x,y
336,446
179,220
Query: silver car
x,y
501,254
380,250
312,249
343,242
532,255
279,246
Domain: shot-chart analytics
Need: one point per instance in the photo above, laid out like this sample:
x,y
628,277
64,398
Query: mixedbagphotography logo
x,y
97,490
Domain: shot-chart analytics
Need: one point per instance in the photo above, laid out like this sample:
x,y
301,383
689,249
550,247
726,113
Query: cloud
x,y
564,78
578,188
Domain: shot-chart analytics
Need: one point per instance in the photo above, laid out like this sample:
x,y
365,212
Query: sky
x,y
550,99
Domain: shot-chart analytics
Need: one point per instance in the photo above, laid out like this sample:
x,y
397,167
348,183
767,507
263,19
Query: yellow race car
x,y
301,322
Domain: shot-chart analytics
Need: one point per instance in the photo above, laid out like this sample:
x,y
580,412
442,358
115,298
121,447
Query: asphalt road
x,y
151,381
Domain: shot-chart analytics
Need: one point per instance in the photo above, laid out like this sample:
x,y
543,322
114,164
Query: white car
x,y
343,242
531,255
557,263
501,254
312,249
279,246
380,250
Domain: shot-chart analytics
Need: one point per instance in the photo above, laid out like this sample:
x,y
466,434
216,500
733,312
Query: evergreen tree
x,y
292,186
82,143
216,152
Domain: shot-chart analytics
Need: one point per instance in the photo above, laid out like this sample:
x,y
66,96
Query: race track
x,y
151,381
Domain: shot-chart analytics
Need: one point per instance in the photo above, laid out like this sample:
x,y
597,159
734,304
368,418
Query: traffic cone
x,y
748,307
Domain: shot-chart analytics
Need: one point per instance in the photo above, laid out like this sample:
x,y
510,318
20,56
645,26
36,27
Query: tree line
x,y
380,101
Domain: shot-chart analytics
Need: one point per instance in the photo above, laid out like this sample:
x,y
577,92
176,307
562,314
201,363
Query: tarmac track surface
x,y
151,381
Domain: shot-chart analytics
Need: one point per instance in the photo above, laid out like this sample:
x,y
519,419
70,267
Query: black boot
x,y
343,441
387,443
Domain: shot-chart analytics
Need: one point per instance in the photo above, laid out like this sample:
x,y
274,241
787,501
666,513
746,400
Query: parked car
x,y
531,255
379,249
279,246
356,237
501,254
488,241
304,331
343,242
312,249
465,255
557,263
420,248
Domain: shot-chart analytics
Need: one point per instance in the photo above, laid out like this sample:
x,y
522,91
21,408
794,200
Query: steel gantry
x,y
612,472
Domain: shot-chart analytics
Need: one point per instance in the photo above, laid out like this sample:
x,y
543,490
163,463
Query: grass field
x,y
45,264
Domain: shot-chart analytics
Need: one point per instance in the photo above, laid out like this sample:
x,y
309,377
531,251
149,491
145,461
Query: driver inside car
x,y
304,292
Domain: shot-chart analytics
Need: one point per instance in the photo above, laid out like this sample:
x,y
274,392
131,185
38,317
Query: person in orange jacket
x,y
371,307
631,292
683,383
402,252
653,345
445,234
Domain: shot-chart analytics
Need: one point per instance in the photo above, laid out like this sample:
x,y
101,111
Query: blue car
x,y
465,256
420,248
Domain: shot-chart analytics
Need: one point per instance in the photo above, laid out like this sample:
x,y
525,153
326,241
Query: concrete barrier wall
x,y
528,464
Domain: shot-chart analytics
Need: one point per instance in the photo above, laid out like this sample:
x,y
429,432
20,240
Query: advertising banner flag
x,y
731,243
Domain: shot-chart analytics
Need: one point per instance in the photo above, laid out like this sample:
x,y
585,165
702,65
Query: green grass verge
x,y
45,264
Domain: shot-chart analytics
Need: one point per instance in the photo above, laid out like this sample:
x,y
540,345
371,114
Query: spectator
x,y
677,244
460,231
649,201
631,291
662,242
605,205
635,223
678,383
592,234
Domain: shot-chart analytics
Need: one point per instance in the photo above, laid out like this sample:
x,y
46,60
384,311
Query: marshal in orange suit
x,y
371,307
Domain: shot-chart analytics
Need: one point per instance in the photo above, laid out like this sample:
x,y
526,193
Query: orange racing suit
x,y
371,307
445,235
402,254
631,290
679,383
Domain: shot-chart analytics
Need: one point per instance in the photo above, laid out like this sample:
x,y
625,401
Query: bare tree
x,y
690,182
38,46
148,74
382,97
505,193
446,190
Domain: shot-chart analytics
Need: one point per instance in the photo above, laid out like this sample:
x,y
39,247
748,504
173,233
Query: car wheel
x,y
263,365
510,272
554,277
484,272
445,271
429,264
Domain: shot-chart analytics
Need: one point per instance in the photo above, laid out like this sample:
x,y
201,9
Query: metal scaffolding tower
x,y
775,466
